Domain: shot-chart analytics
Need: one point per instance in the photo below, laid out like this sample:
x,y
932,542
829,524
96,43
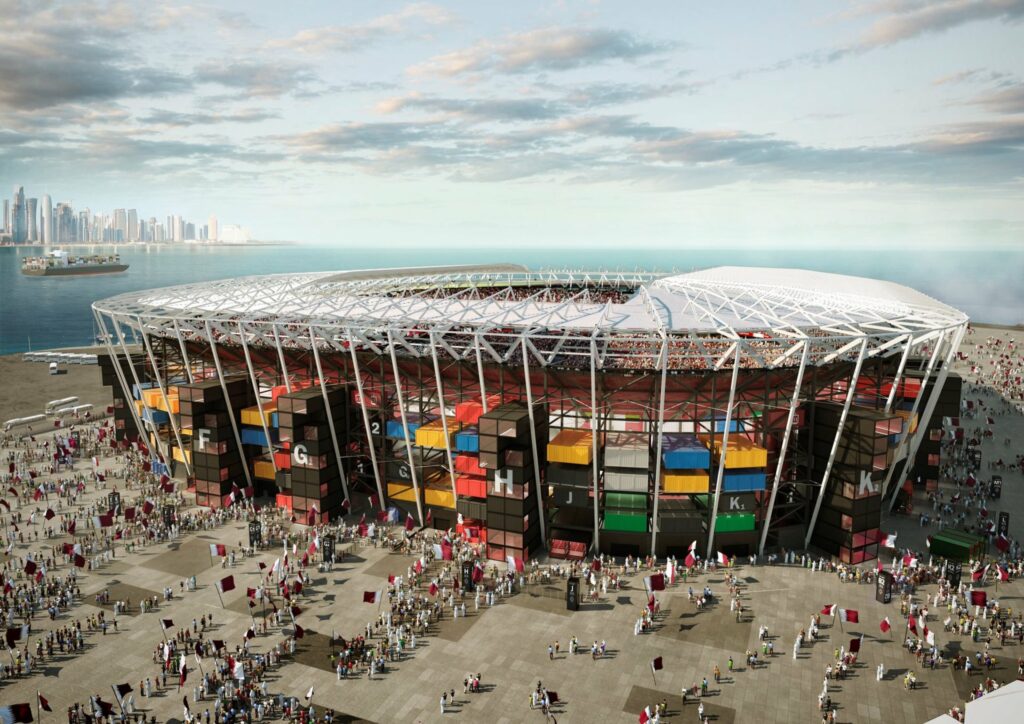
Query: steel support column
x,y
256,391
184,353
227,401
280,356
766,523
330,412
533,444
594,433
725,445
444,416
163,451
905,440
899,373
125,387
658,444
480,372
405,428
366,419
922,425
851,392
163,394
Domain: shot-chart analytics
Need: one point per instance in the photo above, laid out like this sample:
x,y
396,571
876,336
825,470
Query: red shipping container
x,y
469,465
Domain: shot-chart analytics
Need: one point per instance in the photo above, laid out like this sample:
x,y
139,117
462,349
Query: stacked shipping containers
x,y
303,417
216,460
506,456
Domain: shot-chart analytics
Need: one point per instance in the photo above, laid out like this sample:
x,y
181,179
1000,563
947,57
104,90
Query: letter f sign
x,y
204,437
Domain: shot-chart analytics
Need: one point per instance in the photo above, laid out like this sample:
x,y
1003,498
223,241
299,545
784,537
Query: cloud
x,y
543,49
260,78
1005,100
350,38
501,110
521,144
981,75
176,118
45,68
906,19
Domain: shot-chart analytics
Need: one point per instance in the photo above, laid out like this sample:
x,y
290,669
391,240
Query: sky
x,y
882,123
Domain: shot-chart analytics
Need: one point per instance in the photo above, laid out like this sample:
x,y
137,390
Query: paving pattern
x,y
507,644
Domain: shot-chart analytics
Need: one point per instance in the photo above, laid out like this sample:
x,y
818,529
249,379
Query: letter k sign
x,y
866,486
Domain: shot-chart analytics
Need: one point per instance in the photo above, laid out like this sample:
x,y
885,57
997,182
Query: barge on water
x,y
60,263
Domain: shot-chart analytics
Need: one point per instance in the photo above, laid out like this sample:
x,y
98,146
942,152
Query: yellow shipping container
x,y
685,482
152,397
173,405
439,498
402,491
263,469
909,417
572,446
432,434
251,415
741,453
182,456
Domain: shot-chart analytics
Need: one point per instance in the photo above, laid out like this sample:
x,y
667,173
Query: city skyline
x,y
881,123
31,220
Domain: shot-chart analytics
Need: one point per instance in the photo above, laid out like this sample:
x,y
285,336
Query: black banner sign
x,y
168,512
255,534
114,502
572,594
884,584
1003,526
327,547
467,577
954,570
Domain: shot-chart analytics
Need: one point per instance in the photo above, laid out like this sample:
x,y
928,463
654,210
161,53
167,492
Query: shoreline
x,y
148,244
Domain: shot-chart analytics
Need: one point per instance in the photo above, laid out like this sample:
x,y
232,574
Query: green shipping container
x,y
627,522
631,501
734,523
957,545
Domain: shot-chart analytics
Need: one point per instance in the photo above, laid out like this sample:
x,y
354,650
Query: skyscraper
x,y
31,219
18,221
120,225
213,232
133,225
7,216
47,219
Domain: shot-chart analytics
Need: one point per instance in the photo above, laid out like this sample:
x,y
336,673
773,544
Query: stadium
x,y
748,409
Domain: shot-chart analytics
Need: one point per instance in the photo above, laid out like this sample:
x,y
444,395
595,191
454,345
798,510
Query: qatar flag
x,y
829,609
885,625
848,615
979,598
889,541
655,582
1004,573
723,560
1002,543
409,522
371,596
690,561
226,584
912,624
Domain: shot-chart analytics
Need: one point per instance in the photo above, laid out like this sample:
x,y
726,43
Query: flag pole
x,y
163,632
39,709
117,698
655,680
216,587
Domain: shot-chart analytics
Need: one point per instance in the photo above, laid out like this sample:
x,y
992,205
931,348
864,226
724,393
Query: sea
x,y
50,312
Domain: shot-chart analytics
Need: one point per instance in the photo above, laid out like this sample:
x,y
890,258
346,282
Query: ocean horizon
x,y
47,312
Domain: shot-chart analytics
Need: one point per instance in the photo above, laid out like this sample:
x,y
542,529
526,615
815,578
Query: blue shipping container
x,y
743,481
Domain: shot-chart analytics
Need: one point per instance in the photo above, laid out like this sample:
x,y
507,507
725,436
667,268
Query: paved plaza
x,y
508,643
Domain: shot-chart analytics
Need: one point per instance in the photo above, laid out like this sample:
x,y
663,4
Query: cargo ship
x,y
60,263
